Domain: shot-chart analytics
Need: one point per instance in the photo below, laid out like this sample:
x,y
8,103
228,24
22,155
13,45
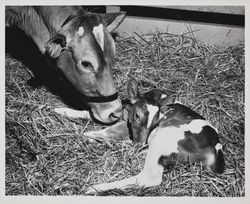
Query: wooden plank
x,y
185,15
240,10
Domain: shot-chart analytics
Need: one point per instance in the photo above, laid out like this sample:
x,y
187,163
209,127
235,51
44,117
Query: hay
x,y
47,154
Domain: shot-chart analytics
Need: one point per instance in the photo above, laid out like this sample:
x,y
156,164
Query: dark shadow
x,y
21,47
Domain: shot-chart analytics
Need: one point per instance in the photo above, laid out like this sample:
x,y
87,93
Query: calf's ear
x,y
164,102
55,45
113,20
132,89
170,99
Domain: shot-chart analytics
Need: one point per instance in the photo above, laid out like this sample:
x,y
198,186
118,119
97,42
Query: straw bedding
x,y
47,154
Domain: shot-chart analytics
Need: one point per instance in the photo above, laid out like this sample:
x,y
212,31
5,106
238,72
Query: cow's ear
x,y
55,45
133,92
113,20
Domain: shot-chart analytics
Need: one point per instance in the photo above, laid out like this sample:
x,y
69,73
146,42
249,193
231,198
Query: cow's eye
x,y
87,65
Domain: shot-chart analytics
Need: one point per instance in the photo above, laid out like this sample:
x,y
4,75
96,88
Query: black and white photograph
x,y
124,100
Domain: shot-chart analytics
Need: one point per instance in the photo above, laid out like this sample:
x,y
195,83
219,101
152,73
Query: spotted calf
x,y
169,128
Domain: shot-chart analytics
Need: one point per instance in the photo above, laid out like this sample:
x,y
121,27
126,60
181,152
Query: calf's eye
x,y
137,117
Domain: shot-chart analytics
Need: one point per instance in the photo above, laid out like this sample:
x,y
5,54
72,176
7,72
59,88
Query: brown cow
x,y
80,45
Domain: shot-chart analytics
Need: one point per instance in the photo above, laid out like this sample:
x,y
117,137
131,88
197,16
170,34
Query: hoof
x,y
90,191
61,111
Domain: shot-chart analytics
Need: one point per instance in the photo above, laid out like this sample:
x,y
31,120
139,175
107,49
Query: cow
x,y
78,44
170,130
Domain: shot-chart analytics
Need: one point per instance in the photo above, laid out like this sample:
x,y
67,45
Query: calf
x,y
168,128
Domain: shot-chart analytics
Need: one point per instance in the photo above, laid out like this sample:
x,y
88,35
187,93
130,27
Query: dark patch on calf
x,y
197,142
153,97
180,112
177,114
130,130
208,137
154,124
219,166
168,162
172,122
188,144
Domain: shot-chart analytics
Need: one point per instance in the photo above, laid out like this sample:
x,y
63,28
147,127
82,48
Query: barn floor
x,y
47,154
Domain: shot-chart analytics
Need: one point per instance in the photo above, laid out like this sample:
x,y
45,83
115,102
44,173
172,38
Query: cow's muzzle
x,y
107,109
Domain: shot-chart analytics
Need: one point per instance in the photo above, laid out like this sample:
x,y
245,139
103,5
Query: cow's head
x,y
83,50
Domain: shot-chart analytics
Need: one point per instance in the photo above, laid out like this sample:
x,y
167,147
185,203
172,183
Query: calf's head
x,y
83,50
144,111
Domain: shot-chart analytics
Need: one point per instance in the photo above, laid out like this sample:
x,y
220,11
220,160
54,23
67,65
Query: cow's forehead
x,y
98,31
92,27
91,20
88,21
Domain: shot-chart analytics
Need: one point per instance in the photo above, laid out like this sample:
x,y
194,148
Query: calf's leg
x,y
118,131
151,175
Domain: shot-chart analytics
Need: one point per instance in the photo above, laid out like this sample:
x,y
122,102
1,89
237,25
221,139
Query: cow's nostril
x,y
115,116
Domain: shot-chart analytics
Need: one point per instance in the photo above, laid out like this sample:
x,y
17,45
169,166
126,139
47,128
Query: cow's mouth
x,y
109,112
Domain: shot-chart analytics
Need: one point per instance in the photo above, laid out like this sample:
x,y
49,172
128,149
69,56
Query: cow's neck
x,y
39,23
54,16
27,19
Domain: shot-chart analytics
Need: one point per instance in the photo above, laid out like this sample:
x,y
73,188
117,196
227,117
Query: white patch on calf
x,y
152,111
99,35
163,96
195,126
161,115
210,159
80,31
164,140
218,147
176,101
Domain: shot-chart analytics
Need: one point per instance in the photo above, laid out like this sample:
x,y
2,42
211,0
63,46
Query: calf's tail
x,y
219,165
